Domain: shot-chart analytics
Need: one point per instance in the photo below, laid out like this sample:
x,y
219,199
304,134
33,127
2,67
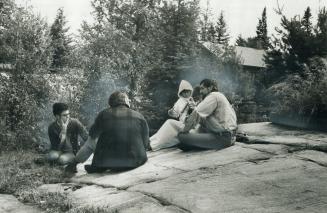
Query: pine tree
x,y
222,36
306,22
240,41
262,33
294,47
60,41
321,32
211,33
204,24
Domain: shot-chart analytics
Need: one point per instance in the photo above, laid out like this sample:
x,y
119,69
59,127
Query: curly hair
x,y
118,98
210,83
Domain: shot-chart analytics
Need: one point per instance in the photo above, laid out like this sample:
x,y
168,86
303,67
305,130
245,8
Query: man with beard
x,y
217,121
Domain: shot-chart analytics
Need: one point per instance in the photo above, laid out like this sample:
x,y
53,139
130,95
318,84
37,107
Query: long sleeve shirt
x,y
74,129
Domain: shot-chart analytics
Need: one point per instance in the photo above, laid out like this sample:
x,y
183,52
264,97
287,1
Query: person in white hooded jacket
x,y
166,136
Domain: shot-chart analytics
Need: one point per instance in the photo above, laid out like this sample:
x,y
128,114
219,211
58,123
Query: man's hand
x,y
64,124
63,133
191,121
191,103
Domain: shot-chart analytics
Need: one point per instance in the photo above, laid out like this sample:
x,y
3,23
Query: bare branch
x,y
279,9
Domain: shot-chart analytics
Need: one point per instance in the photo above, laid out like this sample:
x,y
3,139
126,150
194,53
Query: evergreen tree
x,y
251,42
205,24
262,33
23,38
222,36
240,41
296,45
321,33
60,41
211,33
306,22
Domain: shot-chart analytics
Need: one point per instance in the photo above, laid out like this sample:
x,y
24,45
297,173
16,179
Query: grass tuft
x,y
50,202
18,172
20,176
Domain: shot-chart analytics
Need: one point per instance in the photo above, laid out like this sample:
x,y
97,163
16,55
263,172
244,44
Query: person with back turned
x,y
119,138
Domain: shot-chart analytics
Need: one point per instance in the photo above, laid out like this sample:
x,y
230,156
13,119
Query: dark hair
x,y
197,96
117,98
58,108
210,82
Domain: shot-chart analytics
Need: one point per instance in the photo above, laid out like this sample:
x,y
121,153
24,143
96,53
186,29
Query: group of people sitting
x,y
202,119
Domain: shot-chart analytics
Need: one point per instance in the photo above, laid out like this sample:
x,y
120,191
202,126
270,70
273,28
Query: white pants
x,y
166,135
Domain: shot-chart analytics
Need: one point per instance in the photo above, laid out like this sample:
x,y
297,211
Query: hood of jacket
x,y
184,85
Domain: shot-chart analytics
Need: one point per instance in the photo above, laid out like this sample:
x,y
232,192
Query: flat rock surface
x,y
269,186
267,132
314,156
279,170
9,203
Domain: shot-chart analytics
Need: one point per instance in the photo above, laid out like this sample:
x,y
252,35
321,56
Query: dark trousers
x,y
205,141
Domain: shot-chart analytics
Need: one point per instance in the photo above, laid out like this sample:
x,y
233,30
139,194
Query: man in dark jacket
x,y
123,138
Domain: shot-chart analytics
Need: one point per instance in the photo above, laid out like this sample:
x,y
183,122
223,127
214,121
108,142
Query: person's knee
x,y
53,156
66,159
185,147
182,137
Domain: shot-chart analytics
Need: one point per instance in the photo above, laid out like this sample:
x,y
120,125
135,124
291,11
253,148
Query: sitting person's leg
x,y
53,155
82,155
66,158
165,136
86,151
200,141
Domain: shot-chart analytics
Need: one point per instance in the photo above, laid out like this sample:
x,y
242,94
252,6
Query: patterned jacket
x,y
123,138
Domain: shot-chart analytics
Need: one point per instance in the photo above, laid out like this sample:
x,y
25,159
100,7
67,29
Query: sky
x,y
241,15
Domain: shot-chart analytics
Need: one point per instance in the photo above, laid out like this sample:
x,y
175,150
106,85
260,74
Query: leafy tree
x,y
7,8
222,36
60,40
24,38
123,40
178,27
141,44
24,44
119,48
179,39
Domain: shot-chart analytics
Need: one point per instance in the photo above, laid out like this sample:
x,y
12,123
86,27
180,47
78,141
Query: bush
x,y
27,108
302,94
